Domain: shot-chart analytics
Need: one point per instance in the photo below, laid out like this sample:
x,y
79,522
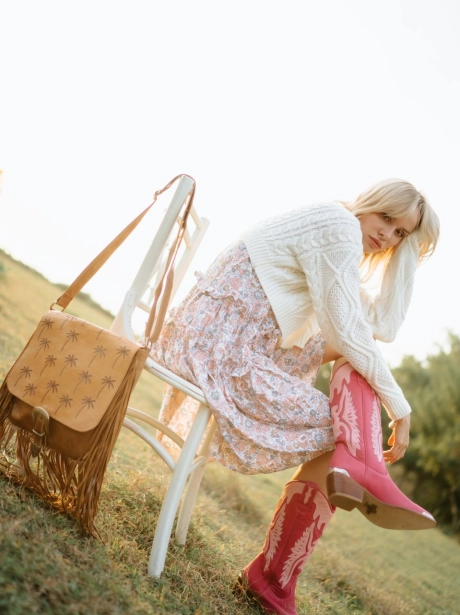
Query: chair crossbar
x,y
151,441
150,420
200,460
196,218
143,306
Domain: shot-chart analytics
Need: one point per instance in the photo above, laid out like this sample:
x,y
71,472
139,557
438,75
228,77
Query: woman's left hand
x,y
399,440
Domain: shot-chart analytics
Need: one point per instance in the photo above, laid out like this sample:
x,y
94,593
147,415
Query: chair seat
x,y
176,381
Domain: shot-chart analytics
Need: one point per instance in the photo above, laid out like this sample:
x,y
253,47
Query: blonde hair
x,y
397,198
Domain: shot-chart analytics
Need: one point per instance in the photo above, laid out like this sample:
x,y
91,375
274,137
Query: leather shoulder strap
x,y
86,275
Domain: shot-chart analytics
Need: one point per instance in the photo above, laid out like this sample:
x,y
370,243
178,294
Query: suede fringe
x,y
67,485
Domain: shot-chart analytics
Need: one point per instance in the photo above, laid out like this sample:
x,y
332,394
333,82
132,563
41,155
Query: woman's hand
x,y
399,440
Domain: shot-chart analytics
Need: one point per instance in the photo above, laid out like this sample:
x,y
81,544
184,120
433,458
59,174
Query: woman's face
x,y
381,231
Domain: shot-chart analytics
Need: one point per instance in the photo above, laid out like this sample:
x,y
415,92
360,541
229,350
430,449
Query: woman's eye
x,y
400,233
386,217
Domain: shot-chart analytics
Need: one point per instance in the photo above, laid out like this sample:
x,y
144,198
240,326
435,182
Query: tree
x,y
433,459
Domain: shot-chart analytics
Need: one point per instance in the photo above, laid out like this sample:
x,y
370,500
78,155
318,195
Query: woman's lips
x,y
375,242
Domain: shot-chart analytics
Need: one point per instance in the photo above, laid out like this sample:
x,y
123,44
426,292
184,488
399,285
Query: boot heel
x,y
343,491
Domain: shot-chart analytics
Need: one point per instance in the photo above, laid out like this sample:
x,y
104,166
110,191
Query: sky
x,y
268,105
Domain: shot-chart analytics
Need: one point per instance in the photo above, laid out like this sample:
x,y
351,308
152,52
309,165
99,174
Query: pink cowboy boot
x,y
300,518
358,477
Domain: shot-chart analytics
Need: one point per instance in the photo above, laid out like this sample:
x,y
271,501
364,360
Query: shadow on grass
x,y
48,567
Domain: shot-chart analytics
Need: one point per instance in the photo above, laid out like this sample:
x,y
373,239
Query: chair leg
x,y
188,502
192,488
174,492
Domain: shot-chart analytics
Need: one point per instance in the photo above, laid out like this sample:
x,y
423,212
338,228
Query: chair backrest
x,y
138,300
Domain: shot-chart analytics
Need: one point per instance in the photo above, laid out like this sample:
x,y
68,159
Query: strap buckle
x,y
41,428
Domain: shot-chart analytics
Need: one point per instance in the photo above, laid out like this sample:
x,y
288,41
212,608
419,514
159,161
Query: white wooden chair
x,y
194,453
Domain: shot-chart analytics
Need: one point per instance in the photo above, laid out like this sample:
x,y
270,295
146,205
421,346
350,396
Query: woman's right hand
x,y
399,440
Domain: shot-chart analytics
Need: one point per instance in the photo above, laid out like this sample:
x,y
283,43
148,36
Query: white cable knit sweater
x,y
307,261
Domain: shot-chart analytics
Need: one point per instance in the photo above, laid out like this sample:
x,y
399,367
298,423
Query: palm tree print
x,y
83,377
66,320
47,323
69,361
123,352
30,389
87,403
65,401
71,336
50,361
108,382
25,373
51,387
99,351
43,345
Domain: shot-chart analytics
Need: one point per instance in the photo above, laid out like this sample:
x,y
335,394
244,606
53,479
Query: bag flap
x,y
72,369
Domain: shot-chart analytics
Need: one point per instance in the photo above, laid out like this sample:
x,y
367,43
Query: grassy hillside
x,y
48,567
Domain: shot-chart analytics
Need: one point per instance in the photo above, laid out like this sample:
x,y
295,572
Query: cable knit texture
x,y
307,261
386,312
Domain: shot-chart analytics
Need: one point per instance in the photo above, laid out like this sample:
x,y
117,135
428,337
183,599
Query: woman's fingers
x,y
399,440
397,450
394,454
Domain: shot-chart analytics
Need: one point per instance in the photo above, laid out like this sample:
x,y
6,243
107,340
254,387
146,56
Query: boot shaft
x,y
300,518
356,416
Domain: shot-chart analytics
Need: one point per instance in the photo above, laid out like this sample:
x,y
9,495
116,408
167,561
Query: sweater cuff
x,y
398,409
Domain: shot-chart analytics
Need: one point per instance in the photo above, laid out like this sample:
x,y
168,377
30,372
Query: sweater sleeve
x,y
332,275
386,312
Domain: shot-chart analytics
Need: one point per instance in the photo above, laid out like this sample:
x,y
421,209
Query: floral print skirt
x,y
224,338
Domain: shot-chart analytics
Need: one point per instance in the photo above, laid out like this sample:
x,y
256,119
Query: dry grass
x,y
46,566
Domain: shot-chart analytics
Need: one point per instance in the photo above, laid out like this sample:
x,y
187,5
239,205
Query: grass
x,y
48,567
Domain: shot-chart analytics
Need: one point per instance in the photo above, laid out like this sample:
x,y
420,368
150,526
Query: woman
x,y
252,334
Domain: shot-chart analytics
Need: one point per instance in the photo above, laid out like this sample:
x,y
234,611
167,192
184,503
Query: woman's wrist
x,y
400,421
